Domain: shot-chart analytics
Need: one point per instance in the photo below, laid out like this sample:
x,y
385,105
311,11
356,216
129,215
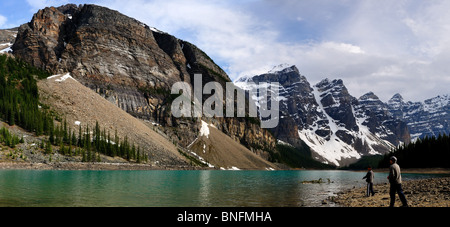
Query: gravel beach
x,y
88,166
433,192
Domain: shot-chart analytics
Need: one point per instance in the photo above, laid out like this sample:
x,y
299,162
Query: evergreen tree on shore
x,y
19,105
430,152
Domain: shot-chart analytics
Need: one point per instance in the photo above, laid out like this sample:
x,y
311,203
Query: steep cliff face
x,y
101,48
428,118
337,127
382,121
295,91
130,64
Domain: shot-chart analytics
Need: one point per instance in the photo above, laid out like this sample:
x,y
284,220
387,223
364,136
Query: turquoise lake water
x,y
34,188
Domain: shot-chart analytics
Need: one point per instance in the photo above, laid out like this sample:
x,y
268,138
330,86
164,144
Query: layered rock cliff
x,y
338,127
131,65
428,118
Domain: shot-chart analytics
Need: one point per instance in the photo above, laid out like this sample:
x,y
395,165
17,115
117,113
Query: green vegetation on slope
x,y
297,158
19,105
19,97
430,152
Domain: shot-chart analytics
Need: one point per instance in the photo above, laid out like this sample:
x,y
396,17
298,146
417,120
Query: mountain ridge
x,y
338,127
430,117
132,65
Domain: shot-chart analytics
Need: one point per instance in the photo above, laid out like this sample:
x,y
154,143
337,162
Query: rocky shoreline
x,y
88,166
434,192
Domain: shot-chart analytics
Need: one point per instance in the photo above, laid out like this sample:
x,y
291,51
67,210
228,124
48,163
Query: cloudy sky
x,y
384,46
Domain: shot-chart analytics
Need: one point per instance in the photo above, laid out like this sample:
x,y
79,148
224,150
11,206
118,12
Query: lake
x,y
47,188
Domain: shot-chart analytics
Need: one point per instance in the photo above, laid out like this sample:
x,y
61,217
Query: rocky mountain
x,y
337,127
395,129
214,148
134,66
428,118
7,37
81,106
130,64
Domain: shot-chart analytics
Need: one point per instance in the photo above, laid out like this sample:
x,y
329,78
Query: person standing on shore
x,y
395,180
369,179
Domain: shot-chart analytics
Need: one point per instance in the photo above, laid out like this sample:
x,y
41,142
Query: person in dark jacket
x,y
395,180
369,179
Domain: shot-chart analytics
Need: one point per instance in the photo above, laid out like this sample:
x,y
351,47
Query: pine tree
x,y
133,152
138,155
48,147
74,138
62,149
70,149
428,152
80,137
88,156
116,151
87,140
65,133
109,146
84,157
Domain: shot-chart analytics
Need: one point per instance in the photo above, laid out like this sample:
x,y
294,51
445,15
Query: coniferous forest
x,y
19,105
19,96
430,152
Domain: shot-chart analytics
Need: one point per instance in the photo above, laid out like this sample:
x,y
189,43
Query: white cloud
x,y
40,4
224,32
343,47
381,46
3,20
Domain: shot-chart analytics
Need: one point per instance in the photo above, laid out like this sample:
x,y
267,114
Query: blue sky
x,y
382,46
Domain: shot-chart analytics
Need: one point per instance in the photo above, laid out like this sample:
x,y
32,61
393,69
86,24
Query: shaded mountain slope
x,y
81,106
220,150
130,64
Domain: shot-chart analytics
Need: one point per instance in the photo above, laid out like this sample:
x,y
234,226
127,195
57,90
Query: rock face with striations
x,y
8,35
428,118
381,120
129,63
337,127
103,49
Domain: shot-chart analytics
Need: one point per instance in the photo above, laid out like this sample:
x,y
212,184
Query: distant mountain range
x,y
134,66
7,37
340,128
428,118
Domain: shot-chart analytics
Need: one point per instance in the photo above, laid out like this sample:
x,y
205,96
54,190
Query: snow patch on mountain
x,y
427,118
204,130
333,149
281,68
328,119
64,78
5,48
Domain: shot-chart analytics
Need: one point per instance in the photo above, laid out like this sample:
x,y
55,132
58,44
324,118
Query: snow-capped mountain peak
x,y
428,118
281,67
327,118
340,128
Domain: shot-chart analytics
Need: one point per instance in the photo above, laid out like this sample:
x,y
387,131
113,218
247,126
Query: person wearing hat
x,y
395,180
369,179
